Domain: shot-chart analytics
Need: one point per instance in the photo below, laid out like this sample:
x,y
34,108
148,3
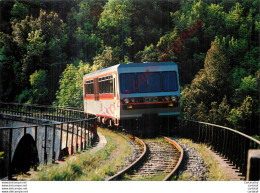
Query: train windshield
x,y
127,82
169,81
146,82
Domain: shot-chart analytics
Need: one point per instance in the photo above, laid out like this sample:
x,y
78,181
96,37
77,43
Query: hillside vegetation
x,y
47,46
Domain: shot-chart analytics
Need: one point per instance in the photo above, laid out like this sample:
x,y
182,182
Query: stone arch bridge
x,y
32,135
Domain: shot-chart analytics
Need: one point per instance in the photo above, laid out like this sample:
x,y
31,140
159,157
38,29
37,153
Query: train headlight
x,y
174,98
126,101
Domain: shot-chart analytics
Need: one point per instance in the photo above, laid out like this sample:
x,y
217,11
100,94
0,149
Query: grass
x,y
90,166
215,172
157,177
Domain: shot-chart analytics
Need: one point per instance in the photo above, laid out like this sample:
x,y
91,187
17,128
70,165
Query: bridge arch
x,y
25,155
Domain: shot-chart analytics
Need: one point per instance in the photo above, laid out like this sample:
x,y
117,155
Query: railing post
x,y
85,126
72,149
88,125
95,130
61,127
77,143
10,155
56,114
67,137
247,147
81,145
53,144
45,144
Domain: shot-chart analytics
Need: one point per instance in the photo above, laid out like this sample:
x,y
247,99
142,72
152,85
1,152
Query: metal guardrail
x,y
70,121
42,112
230,143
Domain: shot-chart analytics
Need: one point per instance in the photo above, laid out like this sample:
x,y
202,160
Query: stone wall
x,y
31,124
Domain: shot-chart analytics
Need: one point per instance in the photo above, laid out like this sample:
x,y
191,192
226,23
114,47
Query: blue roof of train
x,y
113,68
145,63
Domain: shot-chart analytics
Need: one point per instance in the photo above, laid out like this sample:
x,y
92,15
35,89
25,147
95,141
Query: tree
x,y
33,59
104,60
82,27
1,156
235,18
41,42
150,53
218,113
241,117
114,26
211,84
7,67
70,92
39,91
19,11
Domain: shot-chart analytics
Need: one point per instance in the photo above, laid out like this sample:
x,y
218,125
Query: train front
x,y
149,94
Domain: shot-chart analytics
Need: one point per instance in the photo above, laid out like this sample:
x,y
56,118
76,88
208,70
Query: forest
x,y
46,47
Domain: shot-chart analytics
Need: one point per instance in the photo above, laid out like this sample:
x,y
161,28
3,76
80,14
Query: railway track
x,y
159,159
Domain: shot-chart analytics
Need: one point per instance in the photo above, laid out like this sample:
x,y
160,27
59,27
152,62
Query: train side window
x,y
106,85
101,87
89,87
110,83
86,89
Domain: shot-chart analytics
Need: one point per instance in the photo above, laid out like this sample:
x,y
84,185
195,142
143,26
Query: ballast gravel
x,y
193,165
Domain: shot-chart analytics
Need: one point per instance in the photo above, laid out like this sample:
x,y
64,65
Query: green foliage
x,y
257,137
218,113
114,26
241,116
149,54
24,96
7,62
82,23
1,156
41,42
38,93
38,79
19,11
218,64
210,84
235,18
104,60
70,86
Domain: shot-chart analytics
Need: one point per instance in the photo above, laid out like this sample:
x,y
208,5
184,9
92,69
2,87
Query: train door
x,y
115,99
96,89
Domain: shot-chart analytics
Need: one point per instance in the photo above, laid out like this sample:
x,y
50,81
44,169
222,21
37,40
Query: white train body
x,y
133,90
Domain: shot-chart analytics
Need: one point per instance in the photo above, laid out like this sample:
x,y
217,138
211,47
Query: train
x,y
133,94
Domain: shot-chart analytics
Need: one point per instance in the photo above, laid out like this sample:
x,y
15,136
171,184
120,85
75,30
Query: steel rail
x,y
120,174
173,142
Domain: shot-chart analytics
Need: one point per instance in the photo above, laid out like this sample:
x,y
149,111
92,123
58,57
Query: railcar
x,y
124,94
